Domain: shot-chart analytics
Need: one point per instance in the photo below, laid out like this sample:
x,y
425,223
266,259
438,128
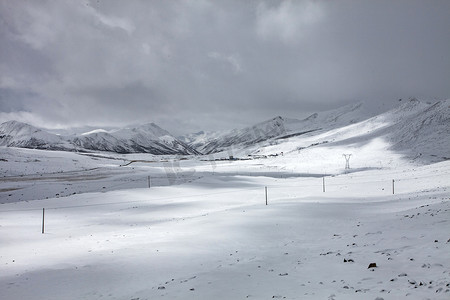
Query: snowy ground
x,y
203,231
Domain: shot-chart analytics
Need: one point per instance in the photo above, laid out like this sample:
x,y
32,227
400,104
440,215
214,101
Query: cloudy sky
x,y
211,65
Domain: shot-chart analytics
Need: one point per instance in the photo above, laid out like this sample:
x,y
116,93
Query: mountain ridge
x,y
147,138
413,127
278,127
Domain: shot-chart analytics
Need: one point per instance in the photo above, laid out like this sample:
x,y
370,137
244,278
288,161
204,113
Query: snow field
x,y
214,238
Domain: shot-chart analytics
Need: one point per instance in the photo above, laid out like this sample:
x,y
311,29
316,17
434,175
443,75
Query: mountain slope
x,y
17,134
199,139
100,141
279,127
415,130
246,136
426,134
151,138
147,138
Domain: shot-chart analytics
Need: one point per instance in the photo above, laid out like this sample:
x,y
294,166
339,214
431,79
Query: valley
x,y
280,218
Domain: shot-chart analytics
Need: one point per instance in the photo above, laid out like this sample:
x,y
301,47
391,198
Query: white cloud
x,y
287,22
232,60
23,116
115,22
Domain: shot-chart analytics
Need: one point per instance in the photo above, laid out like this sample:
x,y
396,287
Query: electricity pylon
x,y
347,160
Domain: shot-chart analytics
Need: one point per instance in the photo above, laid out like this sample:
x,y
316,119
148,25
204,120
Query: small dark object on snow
x,y
372,265
436,241
161,288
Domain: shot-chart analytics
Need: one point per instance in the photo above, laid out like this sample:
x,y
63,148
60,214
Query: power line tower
x,y
347,160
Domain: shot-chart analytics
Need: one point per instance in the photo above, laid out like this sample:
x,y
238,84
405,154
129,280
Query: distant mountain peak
x,y
147,138
94,131
15,128
312,117
14,123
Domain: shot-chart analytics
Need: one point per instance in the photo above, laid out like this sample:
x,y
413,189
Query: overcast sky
x,y
211,65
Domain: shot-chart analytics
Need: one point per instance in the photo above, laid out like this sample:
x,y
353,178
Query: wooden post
x,y
393,186
323,184
43,220
266,194
149,181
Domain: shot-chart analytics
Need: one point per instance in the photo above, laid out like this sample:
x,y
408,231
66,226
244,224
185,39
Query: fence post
x,y
393,186
266,194
323,183
43,220
149,181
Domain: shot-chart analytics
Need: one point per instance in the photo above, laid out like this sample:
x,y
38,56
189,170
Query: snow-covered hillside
x,y
151,136
277,127
199,139
243,137
17,134
425,134
147,138
418,130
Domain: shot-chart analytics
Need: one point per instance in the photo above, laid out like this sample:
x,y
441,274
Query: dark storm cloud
x,y
192,65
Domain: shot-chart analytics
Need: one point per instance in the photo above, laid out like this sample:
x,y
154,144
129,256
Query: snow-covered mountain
x,y
425,133
198,139
21,135
151,136
277,127
416,129
242,137
148,138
